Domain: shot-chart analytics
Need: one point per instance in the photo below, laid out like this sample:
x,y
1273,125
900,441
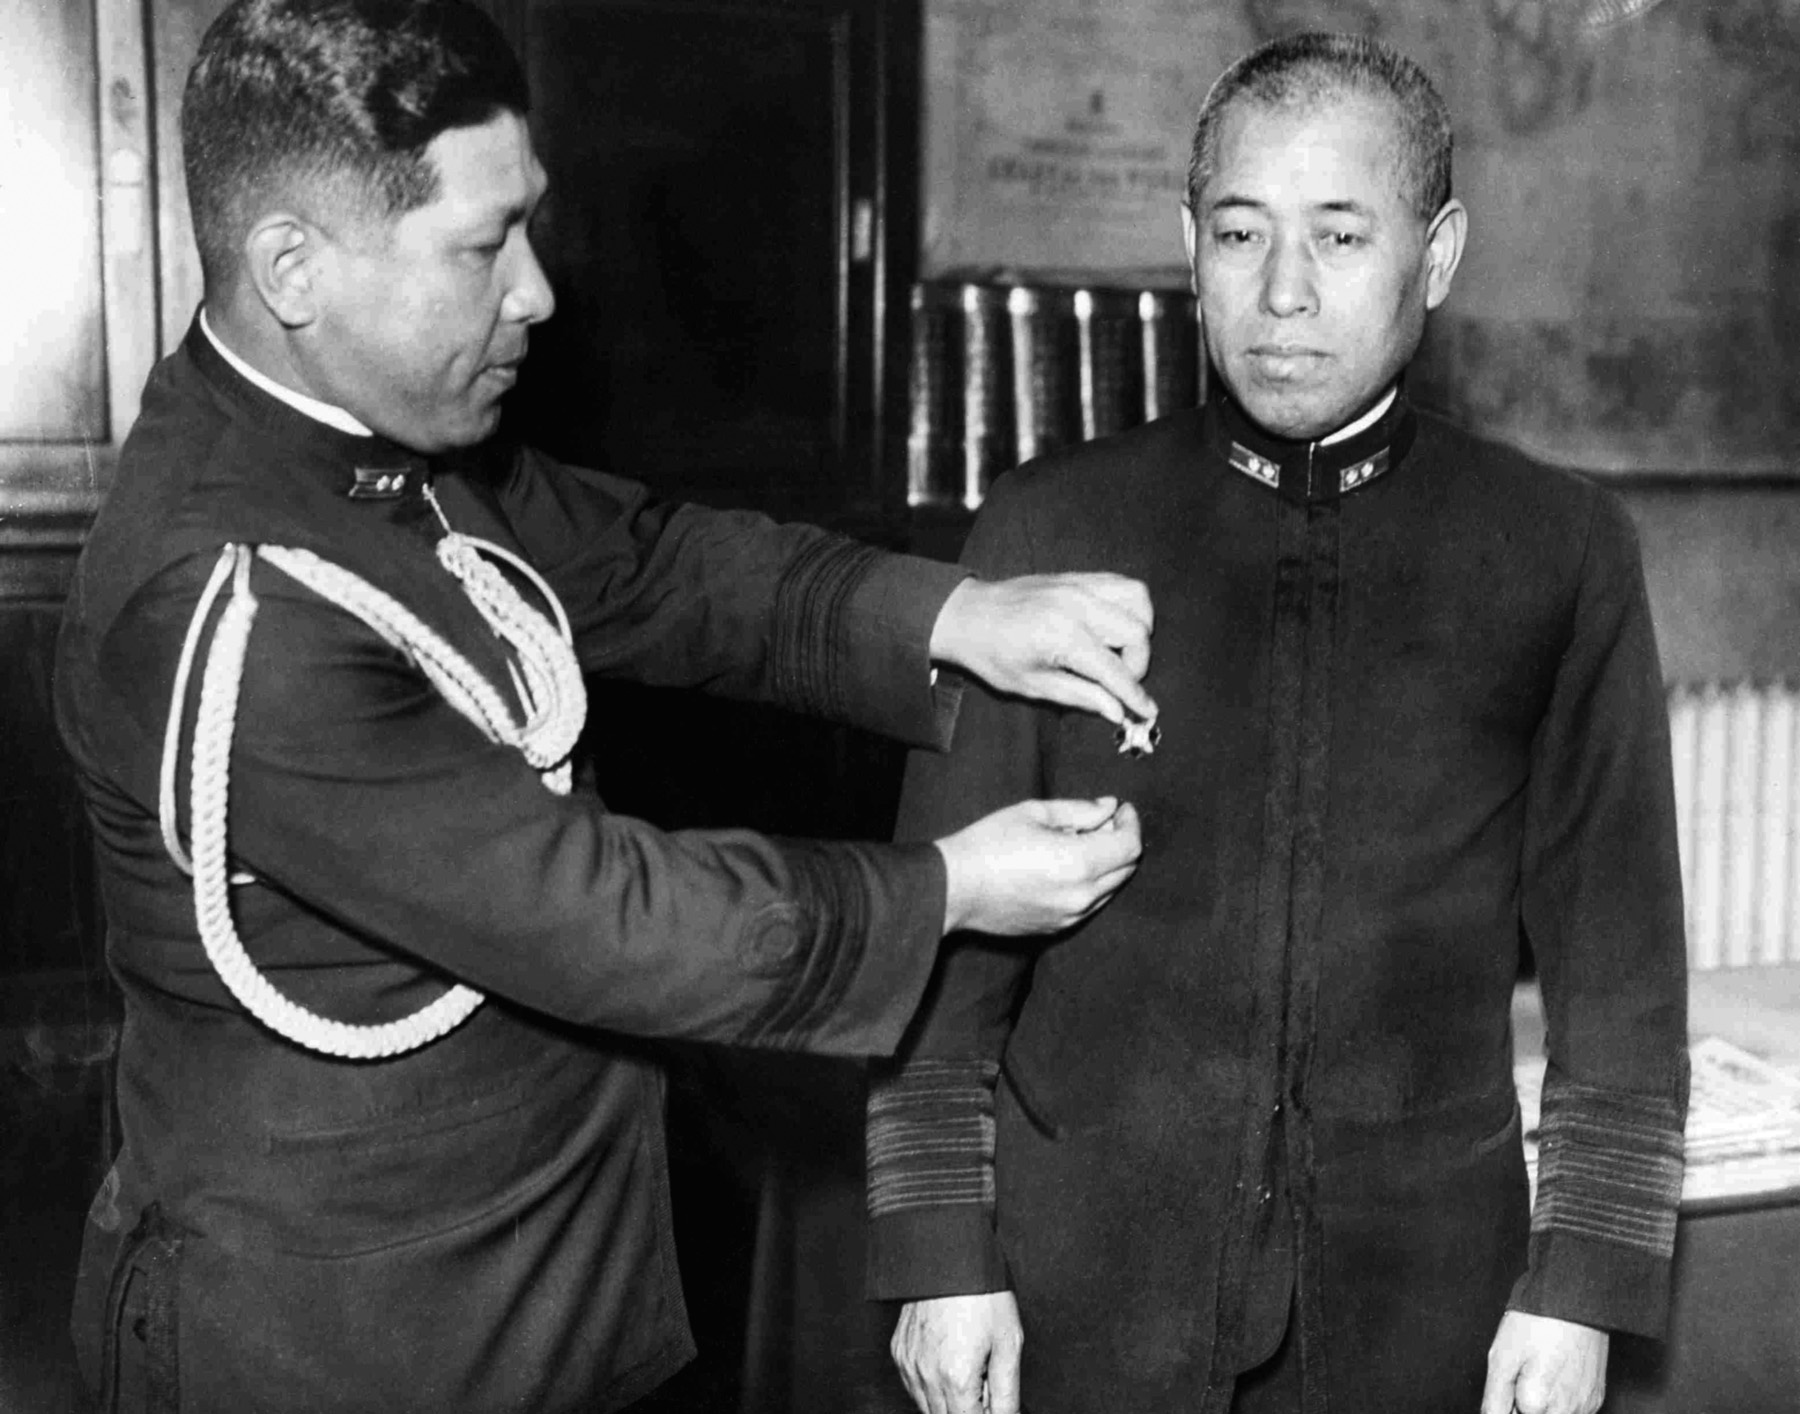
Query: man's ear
x,y
281,257
1443,250
1190,240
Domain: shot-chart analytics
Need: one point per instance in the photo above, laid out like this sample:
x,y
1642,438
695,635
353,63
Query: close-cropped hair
x,y
1303,70
340,97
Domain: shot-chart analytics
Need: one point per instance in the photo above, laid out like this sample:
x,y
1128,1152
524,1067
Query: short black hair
x,y
342,94
1304,69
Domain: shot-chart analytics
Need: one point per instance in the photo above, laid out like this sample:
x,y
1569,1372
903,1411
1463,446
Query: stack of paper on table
x,y
1743,1128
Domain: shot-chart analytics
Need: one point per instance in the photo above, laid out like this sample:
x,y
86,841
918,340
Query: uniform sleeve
x,y
360,795
930,1134
732,602
1603,912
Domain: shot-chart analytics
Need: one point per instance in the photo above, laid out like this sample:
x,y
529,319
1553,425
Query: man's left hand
x,y
1080,640
1540,1365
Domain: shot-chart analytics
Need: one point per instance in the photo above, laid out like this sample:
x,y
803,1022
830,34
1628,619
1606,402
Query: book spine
x,y
934,474
1202,368
1173,373
987,405
1110,362
1043,388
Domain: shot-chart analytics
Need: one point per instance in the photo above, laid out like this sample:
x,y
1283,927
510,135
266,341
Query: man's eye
x,y
1236,236
1346,240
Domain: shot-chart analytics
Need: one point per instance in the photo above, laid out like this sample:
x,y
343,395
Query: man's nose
x,y
1288,280
529,299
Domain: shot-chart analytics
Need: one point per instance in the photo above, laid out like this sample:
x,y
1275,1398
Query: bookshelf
x,y
1002,373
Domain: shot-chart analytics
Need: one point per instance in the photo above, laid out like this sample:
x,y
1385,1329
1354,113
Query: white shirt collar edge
x,y
299,402
1368,419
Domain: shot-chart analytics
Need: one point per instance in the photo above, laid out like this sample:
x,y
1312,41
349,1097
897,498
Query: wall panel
x,y
51,334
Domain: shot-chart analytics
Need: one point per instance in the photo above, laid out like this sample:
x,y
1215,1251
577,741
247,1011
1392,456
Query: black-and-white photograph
x,y
868,706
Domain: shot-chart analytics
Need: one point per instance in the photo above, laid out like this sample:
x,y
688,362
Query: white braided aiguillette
x,y
555,702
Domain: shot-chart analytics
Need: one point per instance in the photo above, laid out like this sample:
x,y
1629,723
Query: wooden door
x,y
77,239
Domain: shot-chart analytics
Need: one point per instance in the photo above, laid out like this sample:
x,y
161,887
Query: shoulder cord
x,y
555,706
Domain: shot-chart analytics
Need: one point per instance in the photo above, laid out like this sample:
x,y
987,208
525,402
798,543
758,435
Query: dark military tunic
x,y
481,1224
1412,712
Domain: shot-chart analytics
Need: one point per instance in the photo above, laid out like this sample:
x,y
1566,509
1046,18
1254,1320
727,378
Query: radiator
x,y
1737,800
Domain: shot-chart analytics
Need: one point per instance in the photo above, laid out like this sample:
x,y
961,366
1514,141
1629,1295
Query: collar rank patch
x,y
1247,461
378,484
1363,472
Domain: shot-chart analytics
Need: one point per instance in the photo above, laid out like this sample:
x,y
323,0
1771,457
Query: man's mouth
x,y
512,360
1282,362
505,370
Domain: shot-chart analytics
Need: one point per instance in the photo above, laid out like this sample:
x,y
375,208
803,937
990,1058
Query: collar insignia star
x,y
378,484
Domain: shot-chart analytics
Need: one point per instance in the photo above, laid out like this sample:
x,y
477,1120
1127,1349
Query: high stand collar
x,y
1306,471
360,468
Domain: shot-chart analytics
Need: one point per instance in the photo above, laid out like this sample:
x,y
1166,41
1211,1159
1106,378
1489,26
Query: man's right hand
x,y
948,1348
1038,866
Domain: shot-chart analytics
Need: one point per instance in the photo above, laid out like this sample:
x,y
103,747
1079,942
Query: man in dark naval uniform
x,y
1255,1144
388,1141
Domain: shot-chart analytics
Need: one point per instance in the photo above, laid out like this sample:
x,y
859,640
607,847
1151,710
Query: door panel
x,y
50,303
711,233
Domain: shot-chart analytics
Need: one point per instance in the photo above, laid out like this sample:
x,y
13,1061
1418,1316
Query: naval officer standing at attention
x,y
389,1138
1248,1141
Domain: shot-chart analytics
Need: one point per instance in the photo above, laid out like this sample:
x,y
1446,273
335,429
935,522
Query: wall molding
x,y
37,556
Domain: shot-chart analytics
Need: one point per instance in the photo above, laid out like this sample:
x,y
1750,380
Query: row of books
x,y
1004,373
